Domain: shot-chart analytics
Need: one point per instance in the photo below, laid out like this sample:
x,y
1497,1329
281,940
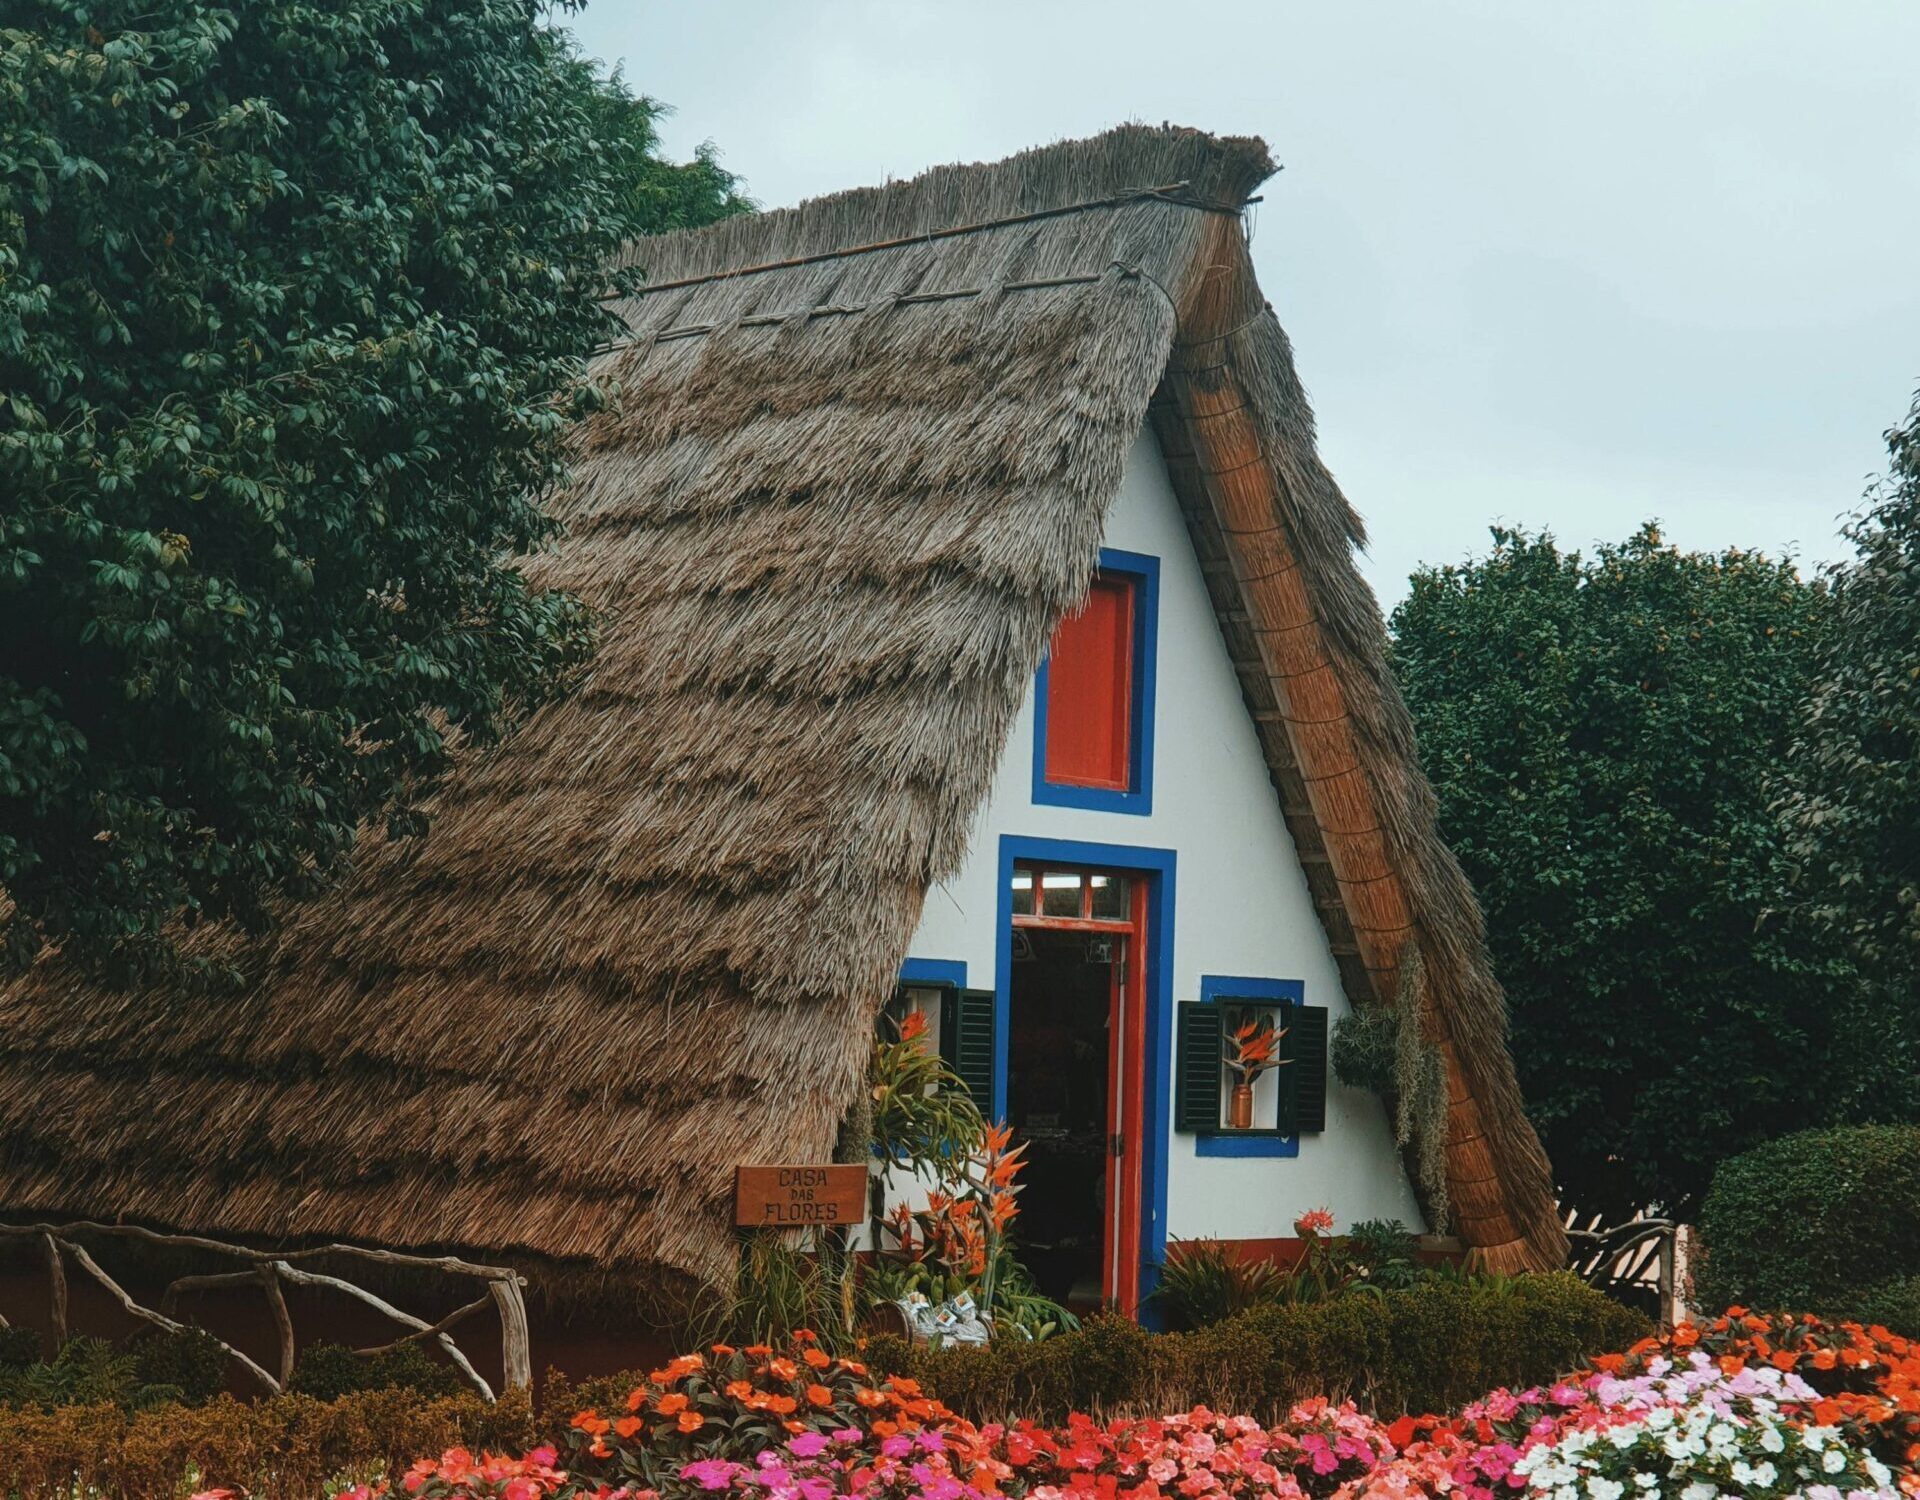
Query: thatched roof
x,y
828,531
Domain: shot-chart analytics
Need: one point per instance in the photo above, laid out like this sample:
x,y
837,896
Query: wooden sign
x,y
793,1197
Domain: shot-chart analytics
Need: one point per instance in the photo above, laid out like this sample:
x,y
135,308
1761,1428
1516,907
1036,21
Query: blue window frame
x,y
1143,572
1218,988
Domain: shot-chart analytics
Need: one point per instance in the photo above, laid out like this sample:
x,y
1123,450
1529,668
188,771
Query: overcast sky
x,y
1570,265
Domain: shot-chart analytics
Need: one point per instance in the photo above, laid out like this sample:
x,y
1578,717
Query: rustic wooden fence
x,y
273,1272
1632,1261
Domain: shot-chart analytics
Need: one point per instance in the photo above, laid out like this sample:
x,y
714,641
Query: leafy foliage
x,y
294,304
1205,1281
1427,1347
1825,1220
1852,787
329,1371
1599,732
922,1112
152,1369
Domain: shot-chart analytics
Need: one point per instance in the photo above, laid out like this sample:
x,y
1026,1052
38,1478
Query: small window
x,y
1093,742
1090,690
1257,1033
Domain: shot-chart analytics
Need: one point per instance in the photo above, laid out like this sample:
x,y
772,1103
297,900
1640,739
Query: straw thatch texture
x,y
828,530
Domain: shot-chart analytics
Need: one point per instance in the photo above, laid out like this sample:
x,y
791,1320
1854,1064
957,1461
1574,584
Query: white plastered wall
x,y
1242,905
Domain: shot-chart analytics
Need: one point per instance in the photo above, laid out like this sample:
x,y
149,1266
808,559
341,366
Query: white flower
x,y
1605,1489
1622,1438
1700,1490
1645,1480
1877,1471
1772,1439
1833,1460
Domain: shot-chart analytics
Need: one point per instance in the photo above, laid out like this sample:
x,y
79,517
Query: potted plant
x,y
1251,1049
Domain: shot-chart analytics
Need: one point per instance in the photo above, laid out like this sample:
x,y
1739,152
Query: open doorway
x,y
1073,1081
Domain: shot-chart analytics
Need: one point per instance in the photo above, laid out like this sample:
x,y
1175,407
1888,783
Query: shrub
x,y
1894,1305
1424,1348
1204,1282
284,1448
1814,1220
329,1371
154,1368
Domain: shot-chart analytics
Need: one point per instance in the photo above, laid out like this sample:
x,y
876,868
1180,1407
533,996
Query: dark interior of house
x,y
1057,1103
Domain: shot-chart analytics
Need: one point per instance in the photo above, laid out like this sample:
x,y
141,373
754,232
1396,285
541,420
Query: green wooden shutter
x,y
1196,1087
966,1042
1303,1080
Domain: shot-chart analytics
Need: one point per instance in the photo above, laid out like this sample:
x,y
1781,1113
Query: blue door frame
x,y
1156,866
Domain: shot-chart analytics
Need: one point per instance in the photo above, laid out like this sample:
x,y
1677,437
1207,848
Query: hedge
x,y
1827,1221
283,1448
1425,1348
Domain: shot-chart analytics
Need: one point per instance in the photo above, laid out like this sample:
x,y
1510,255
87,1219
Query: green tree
x,y
1852,786
294,303
1599,732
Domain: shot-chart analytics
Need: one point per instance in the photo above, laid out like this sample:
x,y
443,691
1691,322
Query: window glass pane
x,y
1110,897
1060,894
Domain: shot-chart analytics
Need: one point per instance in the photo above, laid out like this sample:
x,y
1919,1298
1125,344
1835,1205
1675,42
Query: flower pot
x,y
1240,1107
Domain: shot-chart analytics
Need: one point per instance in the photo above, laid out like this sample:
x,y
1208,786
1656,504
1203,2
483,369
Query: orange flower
x,y
740,1390
914,1026
853,1367
668,1405
691,1421
817,1358
756,1351
590,1422
1784,1359
626,1427
723,1351
636,1398
783,1369
782,1406
805,1336
868,1397
819,1395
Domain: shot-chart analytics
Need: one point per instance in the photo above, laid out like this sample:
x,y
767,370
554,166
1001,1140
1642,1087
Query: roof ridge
x,y
1042,180
1171,192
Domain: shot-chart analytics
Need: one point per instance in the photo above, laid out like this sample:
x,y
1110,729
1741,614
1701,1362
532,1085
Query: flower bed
x,y
1646,1424
1767,1407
